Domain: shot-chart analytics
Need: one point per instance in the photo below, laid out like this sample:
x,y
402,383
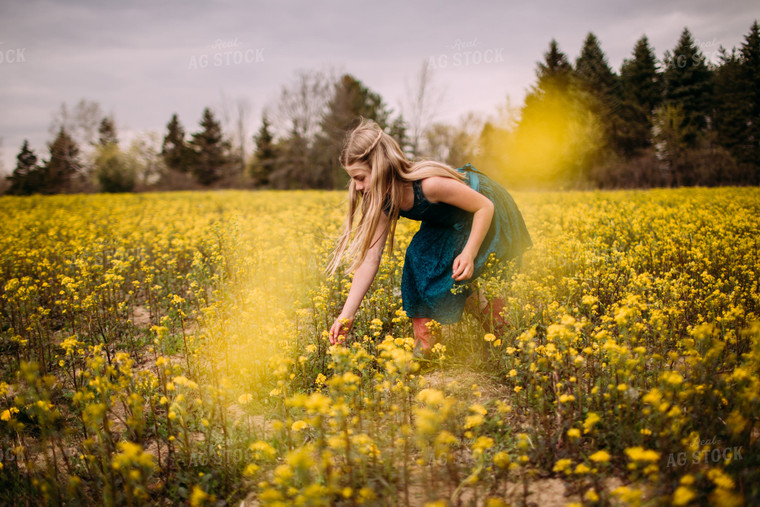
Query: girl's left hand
x,y
464,267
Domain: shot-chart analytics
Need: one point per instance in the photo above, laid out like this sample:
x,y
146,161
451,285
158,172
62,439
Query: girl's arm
x,y
363,277
457,193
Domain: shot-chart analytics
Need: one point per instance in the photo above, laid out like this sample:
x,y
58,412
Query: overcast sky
x,y
142,61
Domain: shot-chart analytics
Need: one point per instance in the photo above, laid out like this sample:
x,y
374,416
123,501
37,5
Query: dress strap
x,y
472,176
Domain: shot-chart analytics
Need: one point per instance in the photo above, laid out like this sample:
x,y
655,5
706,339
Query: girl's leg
x,y
489,312
423,336
493,319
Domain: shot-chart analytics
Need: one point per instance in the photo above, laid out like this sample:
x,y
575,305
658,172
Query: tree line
x,y
681,120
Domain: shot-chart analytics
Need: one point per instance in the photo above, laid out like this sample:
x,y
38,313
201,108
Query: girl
x,y
465,217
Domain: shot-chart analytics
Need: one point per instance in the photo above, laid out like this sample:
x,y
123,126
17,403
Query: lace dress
x,y
426,283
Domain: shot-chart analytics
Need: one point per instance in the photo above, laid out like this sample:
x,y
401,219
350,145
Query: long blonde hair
x,y
370,146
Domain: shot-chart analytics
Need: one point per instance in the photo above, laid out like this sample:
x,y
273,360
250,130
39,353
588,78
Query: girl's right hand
x,y
340,329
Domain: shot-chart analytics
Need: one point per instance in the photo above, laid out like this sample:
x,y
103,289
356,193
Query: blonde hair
x,y
368,145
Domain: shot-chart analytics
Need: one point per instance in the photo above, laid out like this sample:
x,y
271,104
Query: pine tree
x,y
174,149
350,101
641,86
63,164
555,72
265,156
601,87
592,69
209,151
750,65
27,177
640,77
731,107
107,132
558,136
687,83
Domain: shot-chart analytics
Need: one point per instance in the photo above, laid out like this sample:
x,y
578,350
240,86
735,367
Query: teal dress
x,y
426,283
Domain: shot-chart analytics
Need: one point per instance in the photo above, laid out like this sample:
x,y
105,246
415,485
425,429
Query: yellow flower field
x,y
172,348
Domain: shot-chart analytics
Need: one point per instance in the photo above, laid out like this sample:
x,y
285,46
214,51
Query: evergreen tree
x,y
63,164
592,70
107,132
265,156
174,149
554,73
731,108
350,101
750,65
642,92
558,136
27,177
601,88
210,151
687,83
640,76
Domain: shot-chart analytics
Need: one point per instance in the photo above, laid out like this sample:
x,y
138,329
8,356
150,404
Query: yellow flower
x,y
482,444
8,413
431,396
582,469
299,425
198,496
501,460
262,450
574,433
683,495
640,454
473,421
591,419
591,496
720,479
672,377
251,470
628,495
736,422
562,465
600,457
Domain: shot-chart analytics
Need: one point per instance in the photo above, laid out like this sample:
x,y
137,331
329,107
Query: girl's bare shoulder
x,y
437,188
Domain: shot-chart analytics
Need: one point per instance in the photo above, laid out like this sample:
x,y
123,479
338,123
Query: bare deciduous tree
x,y
423,98
81,122
234,119
302,105
455,145
145,153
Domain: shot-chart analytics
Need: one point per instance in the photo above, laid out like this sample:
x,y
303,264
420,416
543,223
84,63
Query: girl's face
x,y
360,176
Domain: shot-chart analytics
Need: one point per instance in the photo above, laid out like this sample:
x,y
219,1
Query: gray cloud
x,y
136,58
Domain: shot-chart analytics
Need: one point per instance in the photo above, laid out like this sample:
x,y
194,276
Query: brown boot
x,y
423,336
493,321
